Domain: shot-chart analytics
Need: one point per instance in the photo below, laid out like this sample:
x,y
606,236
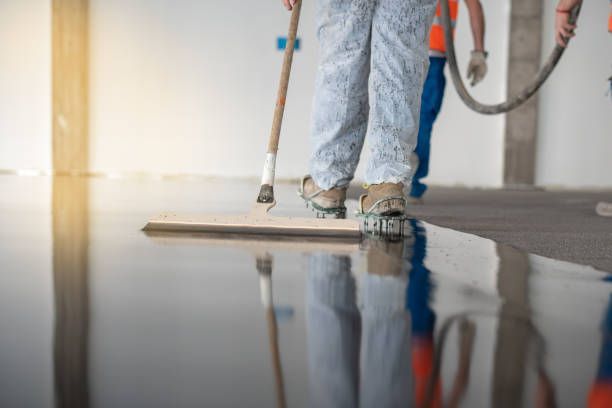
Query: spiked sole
x,y
321,212
393,206
390,207
380,225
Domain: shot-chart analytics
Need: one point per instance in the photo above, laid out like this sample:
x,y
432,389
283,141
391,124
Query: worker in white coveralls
x,y
433,91
373,62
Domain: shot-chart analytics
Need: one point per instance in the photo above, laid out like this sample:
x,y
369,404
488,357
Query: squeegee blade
x,y
255,224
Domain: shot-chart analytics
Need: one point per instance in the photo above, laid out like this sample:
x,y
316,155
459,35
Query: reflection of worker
x,y
358,355
418,301
371,342
419,296
373,60
433,92
333,331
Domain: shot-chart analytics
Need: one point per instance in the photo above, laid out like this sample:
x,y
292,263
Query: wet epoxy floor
x,y
94,313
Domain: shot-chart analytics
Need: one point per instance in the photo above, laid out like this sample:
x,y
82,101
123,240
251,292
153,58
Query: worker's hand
x,y
563,29
289,4
477,69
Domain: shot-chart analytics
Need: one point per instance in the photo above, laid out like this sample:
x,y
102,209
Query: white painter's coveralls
x,y
373,61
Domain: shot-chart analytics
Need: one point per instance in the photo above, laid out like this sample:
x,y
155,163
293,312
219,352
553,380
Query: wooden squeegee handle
x,y
284,79
266,193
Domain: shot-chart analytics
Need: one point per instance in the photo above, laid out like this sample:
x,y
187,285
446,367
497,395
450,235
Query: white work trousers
x,y
373,62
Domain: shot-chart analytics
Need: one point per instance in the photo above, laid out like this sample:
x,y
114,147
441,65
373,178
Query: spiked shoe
x,y
386,199
382,209
325,203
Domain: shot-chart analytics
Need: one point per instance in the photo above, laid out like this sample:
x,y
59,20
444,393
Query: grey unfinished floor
x,y
557,224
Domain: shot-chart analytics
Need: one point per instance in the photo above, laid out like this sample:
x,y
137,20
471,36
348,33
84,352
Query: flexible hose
x,y
516,100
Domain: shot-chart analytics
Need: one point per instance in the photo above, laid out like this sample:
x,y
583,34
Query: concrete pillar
x,y
70,85
523,64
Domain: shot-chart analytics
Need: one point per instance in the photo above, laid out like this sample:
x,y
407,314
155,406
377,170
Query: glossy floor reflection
x,y
94,313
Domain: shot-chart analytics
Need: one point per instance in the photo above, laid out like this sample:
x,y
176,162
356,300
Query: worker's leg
x,y
341,93
400,31
431,102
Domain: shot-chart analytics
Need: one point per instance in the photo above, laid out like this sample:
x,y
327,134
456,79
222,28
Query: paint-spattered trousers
x,y
373,61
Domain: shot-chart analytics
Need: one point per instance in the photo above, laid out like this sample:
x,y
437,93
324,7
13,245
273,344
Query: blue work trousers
x,y
431,102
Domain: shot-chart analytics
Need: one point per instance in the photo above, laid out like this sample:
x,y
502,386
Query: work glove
x,y
477,69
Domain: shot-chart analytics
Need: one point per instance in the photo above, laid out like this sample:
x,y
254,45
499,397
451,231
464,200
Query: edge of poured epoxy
x,y
255,224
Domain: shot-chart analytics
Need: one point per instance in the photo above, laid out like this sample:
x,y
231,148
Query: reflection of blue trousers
x,y
419,295
604,372
431,102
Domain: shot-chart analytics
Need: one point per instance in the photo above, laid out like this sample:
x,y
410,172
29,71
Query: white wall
x,y
575,132
189,87
25,84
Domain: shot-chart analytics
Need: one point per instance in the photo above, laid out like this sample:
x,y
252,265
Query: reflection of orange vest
x,y
422,368
436,38
600,395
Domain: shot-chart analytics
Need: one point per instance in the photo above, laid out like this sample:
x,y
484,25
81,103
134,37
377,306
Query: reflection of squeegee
x,y
258,221
256,244
264,267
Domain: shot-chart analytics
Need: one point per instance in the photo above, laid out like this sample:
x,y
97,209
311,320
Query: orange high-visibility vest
x,y
610,18
436,38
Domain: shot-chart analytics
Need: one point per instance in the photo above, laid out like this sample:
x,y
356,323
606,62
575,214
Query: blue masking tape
x,y
281,43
